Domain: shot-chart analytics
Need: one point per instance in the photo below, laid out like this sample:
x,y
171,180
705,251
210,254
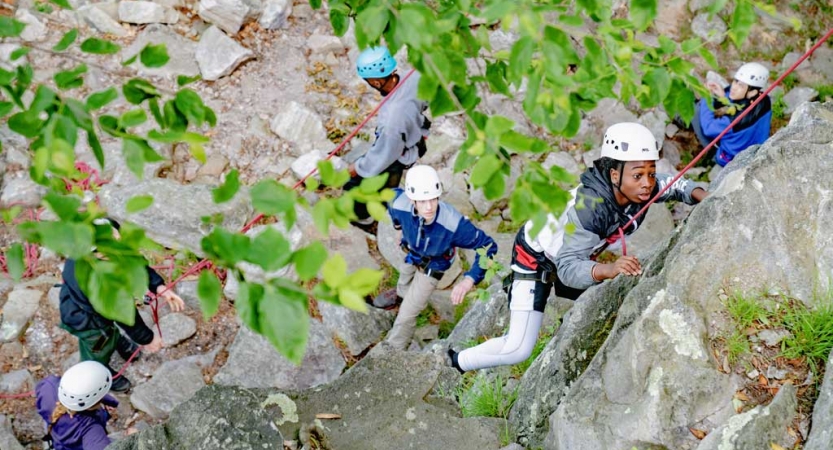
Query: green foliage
x,y
488,399
812,333
226,191
825,92
746,311
737,345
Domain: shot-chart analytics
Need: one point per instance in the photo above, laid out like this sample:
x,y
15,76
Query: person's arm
x,y
575,269
95,438
682,190
386,149
110,401
711,124
156,284
138,332
470,237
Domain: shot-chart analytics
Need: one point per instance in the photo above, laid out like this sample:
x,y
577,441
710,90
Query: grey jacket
x,y
399,127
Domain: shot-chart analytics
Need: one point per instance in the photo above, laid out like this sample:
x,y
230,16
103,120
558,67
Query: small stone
x,y
17,312
322,44
96,17
753,374
218,55
176,328
143,12
301,126
773,337
776,373
305,164
671,130
16,382
798,96
54,297
35,30
228,15
275,13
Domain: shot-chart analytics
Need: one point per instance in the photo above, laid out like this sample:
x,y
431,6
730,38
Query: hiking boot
x,y
369,228
120,384
452,355
387,300
126,347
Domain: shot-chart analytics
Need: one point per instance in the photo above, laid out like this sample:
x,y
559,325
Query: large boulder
x,y
216,418
175,217
7,439
254,362
356,330
822,433
218,55
642,376
17,311
173,383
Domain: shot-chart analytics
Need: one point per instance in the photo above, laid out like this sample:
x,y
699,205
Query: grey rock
x,y
218,55
741,160
275,13
797,96
427,333
697,5
606,113
308,162
382,403
16,382
657,226
487,318
773,337
773,372
822,61
254,362
175,217
17,312
357,330
822,432
710,28
6,63
215,418
323,44
228,15
456,191
513,446
671,151
301,126
214,166
97,17
563,160
35,30
669,16
54,297
187,290
176,328
440,146
180,50
142,12
8,441
758,427
70,361
173,383
387,241
716,78
671,130
655,121
21,191
478,198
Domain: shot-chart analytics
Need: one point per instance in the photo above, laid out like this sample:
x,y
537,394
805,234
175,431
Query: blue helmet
x,y
375,62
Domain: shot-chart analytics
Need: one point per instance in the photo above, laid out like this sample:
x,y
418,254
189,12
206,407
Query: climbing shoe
x,y
453,357
387,300
120,384
126,347
369,228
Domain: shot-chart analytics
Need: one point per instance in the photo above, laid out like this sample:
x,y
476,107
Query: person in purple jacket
x,y
727,103
74,407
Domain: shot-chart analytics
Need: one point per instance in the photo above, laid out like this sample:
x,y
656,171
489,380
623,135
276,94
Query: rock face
x,y
357,330
213,419
822,433
172,383
650,377
17,311
7,439
254,362
175,217
381,401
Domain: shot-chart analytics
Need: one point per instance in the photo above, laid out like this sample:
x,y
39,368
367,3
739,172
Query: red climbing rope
x,y
722,133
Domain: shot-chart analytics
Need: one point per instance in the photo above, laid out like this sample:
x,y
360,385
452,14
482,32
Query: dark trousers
x,y
394,172
96,344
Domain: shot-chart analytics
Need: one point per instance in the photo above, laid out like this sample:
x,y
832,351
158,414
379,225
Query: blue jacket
x,y
752,129
435,243
86,430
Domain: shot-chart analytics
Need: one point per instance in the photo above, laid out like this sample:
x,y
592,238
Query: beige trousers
x,y
415,288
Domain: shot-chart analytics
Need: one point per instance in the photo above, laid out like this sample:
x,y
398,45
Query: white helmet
x,y
753,74
84,385
422,183
629,141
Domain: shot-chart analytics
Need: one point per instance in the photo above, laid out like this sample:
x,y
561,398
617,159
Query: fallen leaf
x,y
791,432
699,434
762,380
741,396
35,368
328,416
775,446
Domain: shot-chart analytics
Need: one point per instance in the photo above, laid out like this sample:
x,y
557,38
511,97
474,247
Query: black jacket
x,y
78,313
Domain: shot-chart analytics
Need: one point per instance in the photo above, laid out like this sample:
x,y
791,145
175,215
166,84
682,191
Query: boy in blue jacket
x,y
750,81
432,231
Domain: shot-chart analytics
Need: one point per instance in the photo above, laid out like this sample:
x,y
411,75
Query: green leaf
x,y
130,60
373,21
189,103
26,123
373,185
6,77
62,3
99,47
100,99
137,90
716,6
284,321
22,51
364,281
226,191
133,118
64,206
69,37
340,21
230,248
742,20
315,4
182,80
72,239
6,108
209,290
10,27
154,55
377,210
44,99
137,152
63,128
15,262
708,56
496,77
308,260
497,125
70,79
643,12
520,58
95,144
248,298
335,271
138,203
680,100
80,114
522,143
658,84
270,197
486,167
270,250
331,177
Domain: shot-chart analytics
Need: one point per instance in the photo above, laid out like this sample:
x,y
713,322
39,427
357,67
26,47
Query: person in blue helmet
x,y
401,128
727,103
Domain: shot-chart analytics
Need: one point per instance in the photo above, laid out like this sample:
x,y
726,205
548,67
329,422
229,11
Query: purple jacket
x,y
87,430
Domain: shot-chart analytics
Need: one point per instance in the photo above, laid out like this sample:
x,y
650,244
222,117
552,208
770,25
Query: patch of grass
x,y
825,92
737,345
789,82
812,333
428,316
747,311
461,309
779,107
544,337
490,399
446,328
